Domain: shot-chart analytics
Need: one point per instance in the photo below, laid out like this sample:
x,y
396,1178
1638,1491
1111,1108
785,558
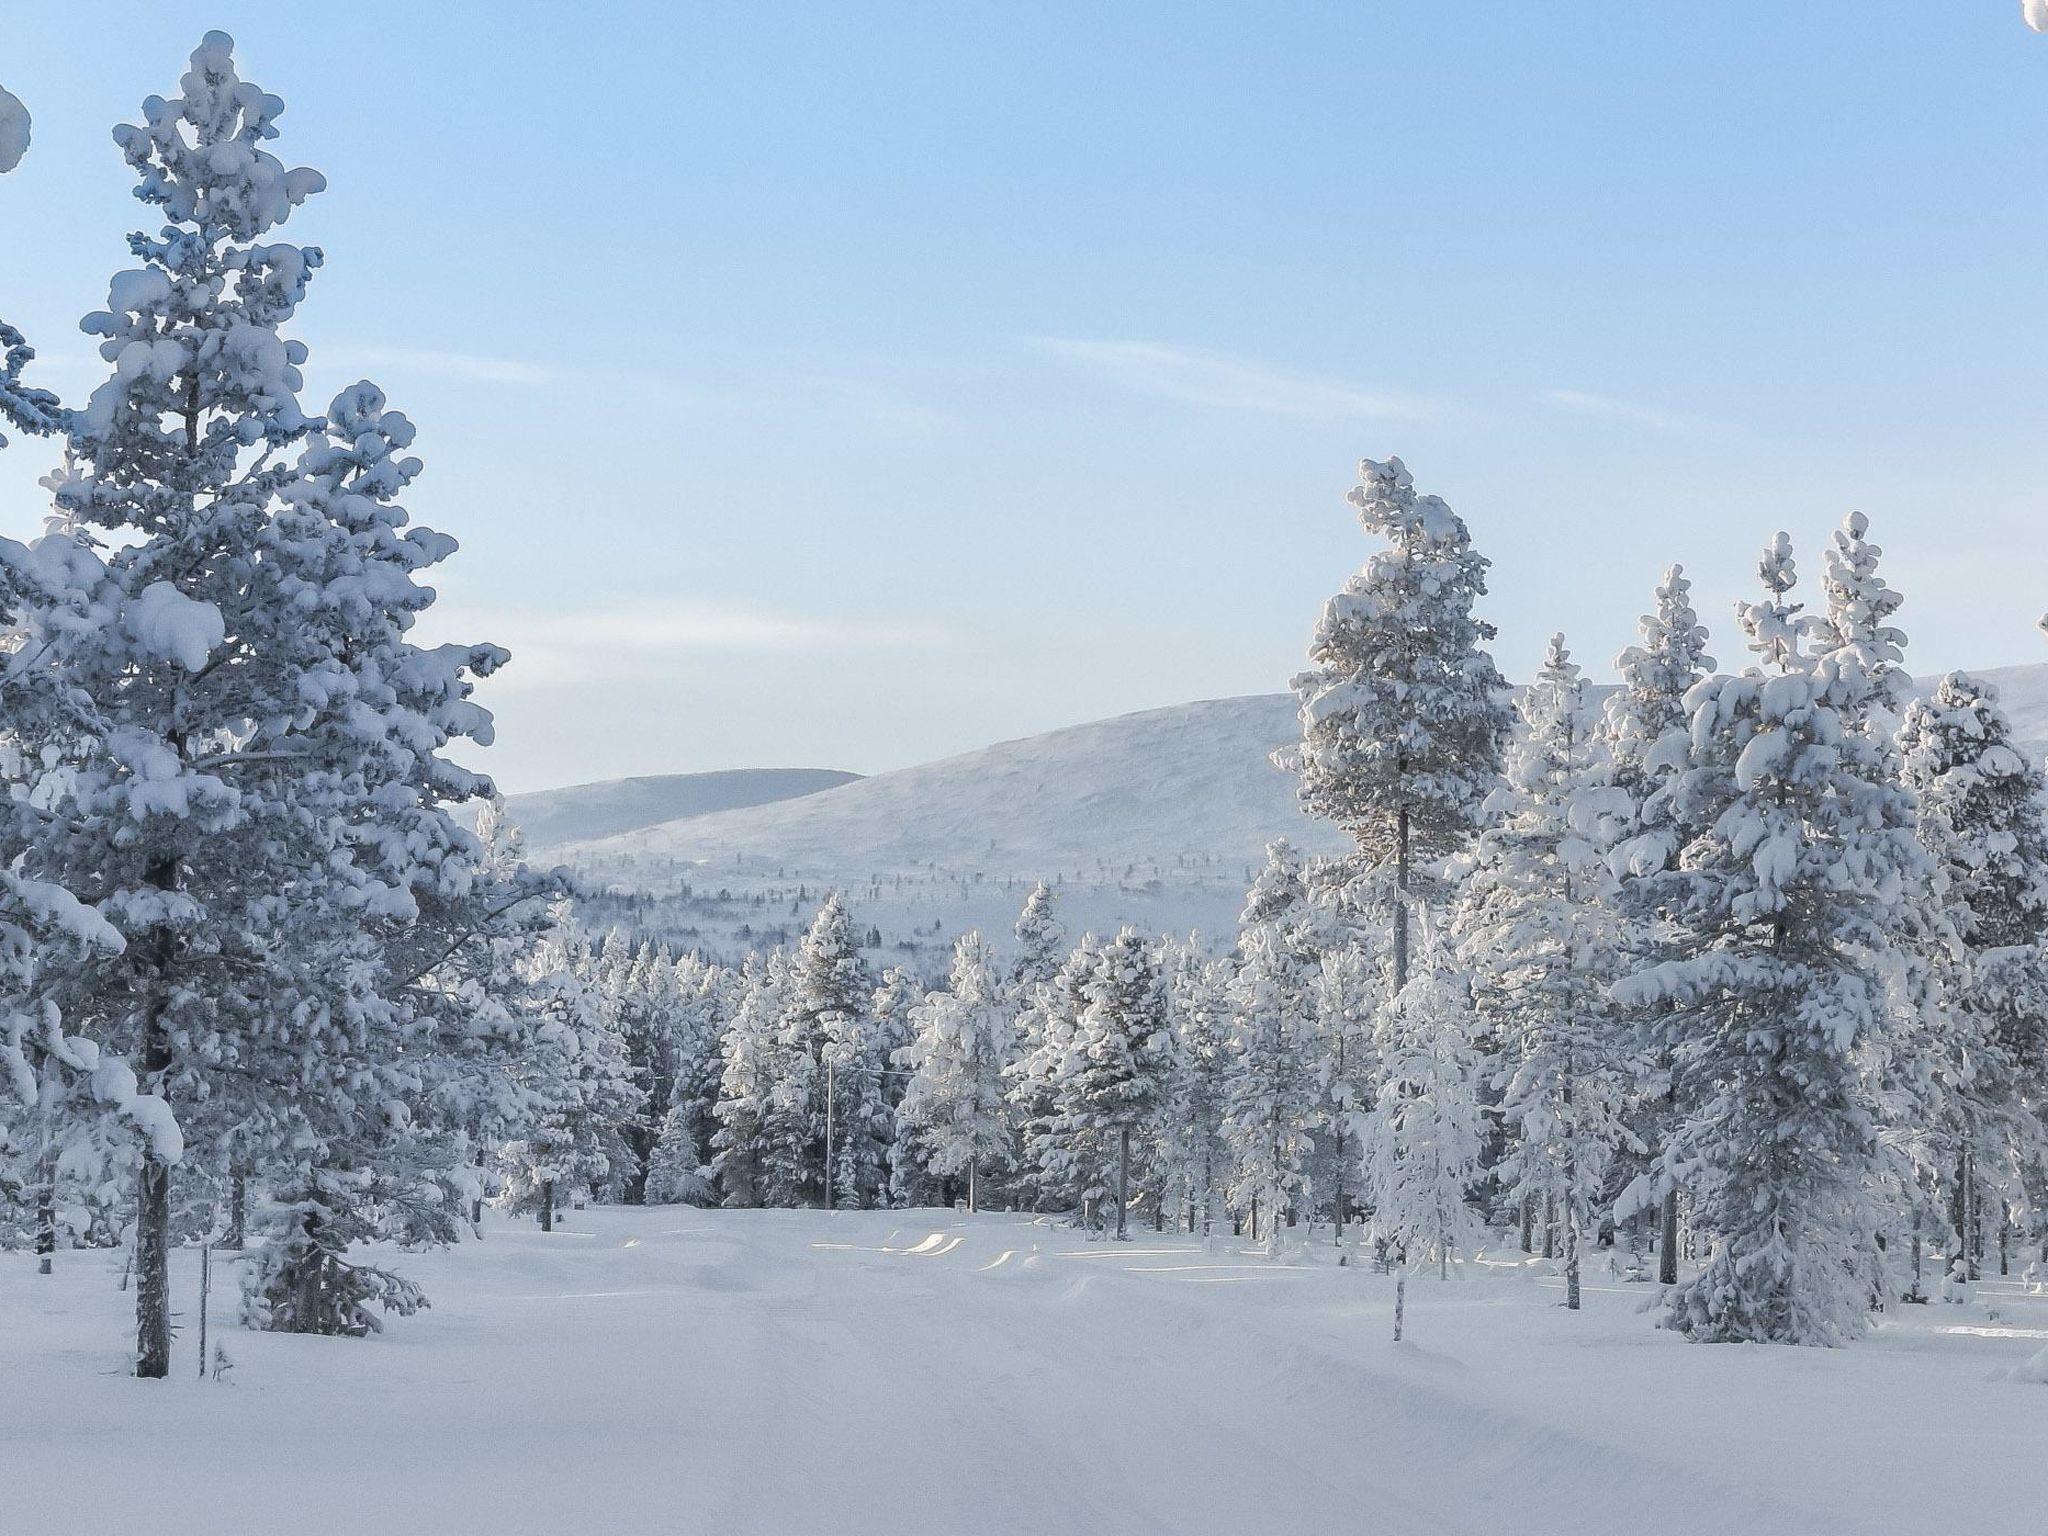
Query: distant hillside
x,y
1193,781
550,818
1155,818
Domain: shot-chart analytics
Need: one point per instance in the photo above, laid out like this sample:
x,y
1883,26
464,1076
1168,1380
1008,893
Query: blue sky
x,y
844,385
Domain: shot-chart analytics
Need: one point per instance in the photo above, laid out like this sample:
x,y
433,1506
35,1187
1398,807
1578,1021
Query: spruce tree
x,y
1271,1096
1424,1129
1799,846
1645,733
953,1111
1536,931
1118,1070
1981,820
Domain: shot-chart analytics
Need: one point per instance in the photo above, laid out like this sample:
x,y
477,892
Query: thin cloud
x,y
469,367
1214,379
1608,408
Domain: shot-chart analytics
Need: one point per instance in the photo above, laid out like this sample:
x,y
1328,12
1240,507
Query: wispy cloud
x,y
1632,413
468,367
551,649
1198,377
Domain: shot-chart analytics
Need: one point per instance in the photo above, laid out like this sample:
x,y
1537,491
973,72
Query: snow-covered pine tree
x,y
1403,714
698,1004
1037,1081
953,1111
583,1084
1272,1096
1421,1137
827,1045
1041,943
1200,990
27,407
1791,890
750,1056
1118,1070
1981,820
1536,932
1645,729
262,795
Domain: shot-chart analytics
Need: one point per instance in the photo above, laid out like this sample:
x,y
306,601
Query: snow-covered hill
x,y
1190,781
1154,818
550,818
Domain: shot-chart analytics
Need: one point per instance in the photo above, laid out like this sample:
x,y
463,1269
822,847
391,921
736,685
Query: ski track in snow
x,y
778,1372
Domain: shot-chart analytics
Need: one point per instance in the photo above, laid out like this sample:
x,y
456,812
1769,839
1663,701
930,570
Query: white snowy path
x,y
791,1372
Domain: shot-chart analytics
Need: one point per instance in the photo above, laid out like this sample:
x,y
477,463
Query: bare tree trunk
x,y
1528,1223
153,1184
1123,1180
1550,1226
971,1191
1400,1301
1667,1240
547,1205
46,1206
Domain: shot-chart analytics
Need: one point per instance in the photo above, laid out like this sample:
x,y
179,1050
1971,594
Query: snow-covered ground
x,y
676,1370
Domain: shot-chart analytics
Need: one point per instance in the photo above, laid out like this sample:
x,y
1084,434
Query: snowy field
x,y
677,1370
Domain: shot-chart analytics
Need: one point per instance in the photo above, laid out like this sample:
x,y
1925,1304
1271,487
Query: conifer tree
x,y
1981,820
828,1043
263,791
1537,934
1271,1094
1039,1080
953,1111
1424,1129
750,1056
1403,714
1645,734
1798,848
1041,943
1119,1068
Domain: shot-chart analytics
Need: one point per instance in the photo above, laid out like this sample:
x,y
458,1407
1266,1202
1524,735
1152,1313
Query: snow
x,y
682,1371
170,626
551,818
13,130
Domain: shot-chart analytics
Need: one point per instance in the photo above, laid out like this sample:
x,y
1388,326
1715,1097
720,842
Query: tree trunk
x,y
238,1208
547,1205
1400,1301
1667,1240
1550,1226
1123,1180
1528,1223
153,1184
46,1217
970,1187
1400,900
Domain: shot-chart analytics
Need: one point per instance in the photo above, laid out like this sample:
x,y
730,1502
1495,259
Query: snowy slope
x,y
552,817
1154,818
1190,781
670,1372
